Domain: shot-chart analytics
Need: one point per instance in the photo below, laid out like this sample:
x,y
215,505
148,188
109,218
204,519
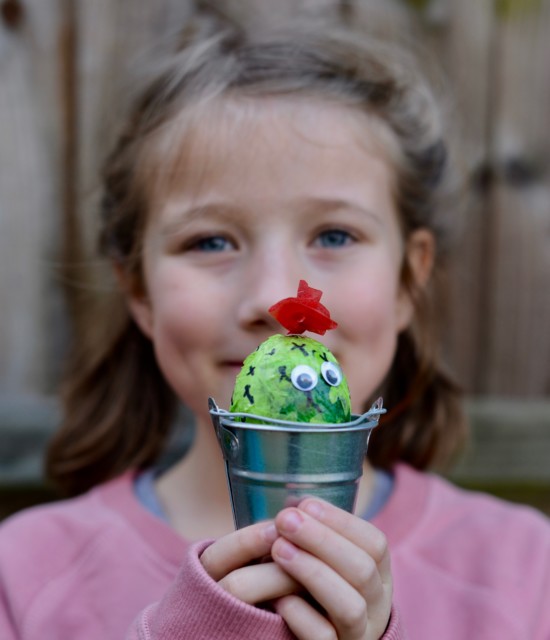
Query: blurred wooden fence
x,y
65,66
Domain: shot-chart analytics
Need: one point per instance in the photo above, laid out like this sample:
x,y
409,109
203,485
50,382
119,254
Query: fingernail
x,y
313,508
290,521
285,550
270,533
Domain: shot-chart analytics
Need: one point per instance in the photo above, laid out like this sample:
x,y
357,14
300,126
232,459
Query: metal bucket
x,y
271,464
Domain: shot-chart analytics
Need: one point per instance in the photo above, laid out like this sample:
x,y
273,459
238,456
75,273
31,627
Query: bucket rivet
x,y
230,443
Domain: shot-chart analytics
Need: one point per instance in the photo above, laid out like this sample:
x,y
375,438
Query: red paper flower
x,y
303,313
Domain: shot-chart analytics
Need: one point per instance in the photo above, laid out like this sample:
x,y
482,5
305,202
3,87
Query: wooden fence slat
x,y
519,353
113,39
510,442
30,190
462,43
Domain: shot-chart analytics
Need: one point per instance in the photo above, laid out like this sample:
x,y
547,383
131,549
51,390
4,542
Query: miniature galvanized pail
x,y
271,464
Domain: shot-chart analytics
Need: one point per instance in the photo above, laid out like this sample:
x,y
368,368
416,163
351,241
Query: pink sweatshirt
x,y
466,567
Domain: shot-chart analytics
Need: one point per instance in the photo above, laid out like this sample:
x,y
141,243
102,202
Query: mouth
x,y
233,364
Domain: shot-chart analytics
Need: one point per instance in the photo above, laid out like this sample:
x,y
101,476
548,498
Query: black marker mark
x,y
310,402
300,347
284,376
248,395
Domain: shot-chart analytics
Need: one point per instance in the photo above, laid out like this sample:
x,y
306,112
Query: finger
x,y
345,606
347,559
342,577
361,532
303,620
259,583
237,549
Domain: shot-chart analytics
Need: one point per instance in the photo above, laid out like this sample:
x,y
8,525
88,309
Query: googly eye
x,y
304,378
331,373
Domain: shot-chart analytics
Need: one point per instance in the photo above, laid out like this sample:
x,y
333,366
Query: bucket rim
x,y
367,420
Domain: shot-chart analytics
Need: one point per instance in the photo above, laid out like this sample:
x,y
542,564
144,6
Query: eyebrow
x,y
326,205
184,215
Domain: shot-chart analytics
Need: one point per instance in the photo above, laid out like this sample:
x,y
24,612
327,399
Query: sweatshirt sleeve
x,y
196,607
395,629
7,632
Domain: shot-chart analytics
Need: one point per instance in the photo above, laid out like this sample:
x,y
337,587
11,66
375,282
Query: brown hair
x,y
118,407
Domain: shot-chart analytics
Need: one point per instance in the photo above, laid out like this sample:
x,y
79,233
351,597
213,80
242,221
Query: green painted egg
x,y
292,378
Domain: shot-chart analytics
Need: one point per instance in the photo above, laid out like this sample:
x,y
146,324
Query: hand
x,y
228,561
343,563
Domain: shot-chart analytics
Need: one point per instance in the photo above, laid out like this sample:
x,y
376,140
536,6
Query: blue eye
x,y
334,238
304,378
212,244
331,374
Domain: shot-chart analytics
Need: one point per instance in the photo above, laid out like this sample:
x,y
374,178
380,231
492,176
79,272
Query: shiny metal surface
x,y
273,463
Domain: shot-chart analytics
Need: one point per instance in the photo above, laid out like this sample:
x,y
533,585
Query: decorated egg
x,y
293,377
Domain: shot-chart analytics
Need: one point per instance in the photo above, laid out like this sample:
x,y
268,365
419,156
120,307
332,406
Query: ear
x,y
420,253
140,310
138,303
419,256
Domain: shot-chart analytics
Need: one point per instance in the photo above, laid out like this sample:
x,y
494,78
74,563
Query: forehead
x,y
206,137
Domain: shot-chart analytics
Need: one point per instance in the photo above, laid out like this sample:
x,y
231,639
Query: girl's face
x,y
267,193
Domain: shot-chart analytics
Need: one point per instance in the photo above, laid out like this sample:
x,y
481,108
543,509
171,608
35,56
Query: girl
x,y
246,165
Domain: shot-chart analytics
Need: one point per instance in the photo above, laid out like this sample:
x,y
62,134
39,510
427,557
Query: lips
x,y
233,363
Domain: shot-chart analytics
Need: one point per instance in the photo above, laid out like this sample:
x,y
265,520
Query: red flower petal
x,y
304,312
305,292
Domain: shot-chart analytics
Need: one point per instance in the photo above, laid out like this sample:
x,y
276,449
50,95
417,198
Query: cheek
x,y
183,316
370,306
368,332
175,294
368,371
183,320
185,342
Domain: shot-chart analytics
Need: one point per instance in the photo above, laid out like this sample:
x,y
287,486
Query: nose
x,y
269,278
